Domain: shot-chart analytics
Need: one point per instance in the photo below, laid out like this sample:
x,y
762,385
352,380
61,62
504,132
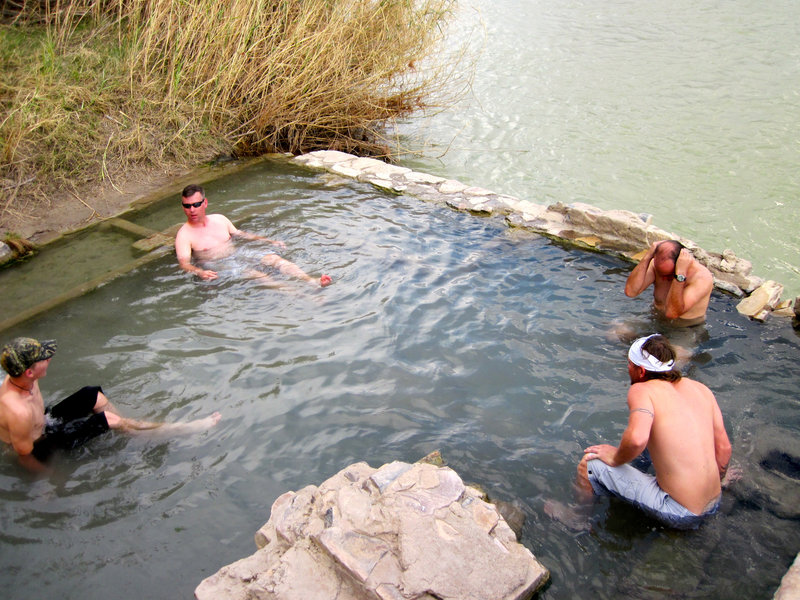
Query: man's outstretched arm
x,y
183,250
252,236
634,438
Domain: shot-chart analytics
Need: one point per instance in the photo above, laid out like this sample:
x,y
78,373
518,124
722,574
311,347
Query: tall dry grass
x,y
291,75
91,89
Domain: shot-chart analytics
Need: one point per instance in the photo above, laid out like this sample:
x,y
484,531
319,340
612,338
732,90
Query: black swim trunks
x,y
70,423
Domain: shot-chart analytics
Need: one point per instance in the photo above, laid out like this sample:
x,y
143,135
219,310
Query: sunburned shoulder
x,y
686,383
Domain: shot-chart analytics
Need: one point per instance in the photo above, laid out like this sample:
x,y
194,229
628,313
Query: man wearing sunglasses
x,y
208,237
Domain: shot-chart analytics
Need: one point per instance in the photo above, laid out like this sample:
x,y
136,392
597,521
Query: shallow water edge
x,y
617,232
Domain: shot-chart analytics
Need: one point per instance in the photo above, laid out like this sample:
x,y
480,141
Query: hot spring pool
x,y
441,331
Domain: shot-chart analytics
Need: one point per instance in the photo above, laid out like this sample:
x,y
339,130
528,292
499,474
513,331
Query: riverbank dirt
x,y
70,211
45,220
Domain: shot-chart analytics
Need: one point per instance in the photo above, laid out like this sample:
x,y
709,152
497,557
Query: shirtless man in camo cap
x,y
35,432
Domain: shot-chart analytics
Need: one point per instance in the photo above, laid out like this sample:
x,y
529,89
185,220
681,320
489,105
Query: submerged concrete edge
x,y
618,232
622,233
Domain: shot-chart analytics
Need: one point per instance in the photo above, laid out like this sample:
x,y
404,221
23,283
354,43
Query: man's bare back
x,y
679,422
682,438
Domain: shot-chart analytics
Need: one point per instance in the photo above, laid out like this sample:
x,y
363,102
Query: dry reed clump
x,y
91,89
292,75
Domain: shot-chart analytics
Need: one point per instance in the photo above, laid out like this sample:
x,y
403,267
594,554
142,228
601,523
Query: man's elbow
x,y
31,463
638,442
723,452
726,450
640,445
23,447
631,291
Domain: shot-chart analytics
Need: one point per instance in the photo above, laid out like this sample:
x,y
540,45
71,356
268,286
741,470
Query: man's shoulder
x,y
652,388
183,230
11,402
701,272
641,389
218,218
685,382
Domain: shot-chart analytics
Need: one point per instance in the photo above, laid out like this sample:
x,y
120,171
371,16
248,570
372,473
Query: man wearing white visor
x,y
679,422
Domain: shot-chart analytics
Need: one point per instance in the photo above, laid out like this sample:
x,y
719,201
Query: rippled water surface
x,y
688,110
441,331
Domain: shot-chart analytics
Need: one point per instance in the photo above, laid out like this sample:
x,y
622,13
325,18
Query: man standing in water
x,y
681,285
34,433
208,237
679,422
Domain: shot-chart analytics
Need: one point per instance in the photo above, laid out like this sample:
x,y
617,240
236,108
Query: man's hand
x,y
206,274
255,237
32,464
604,452
685,259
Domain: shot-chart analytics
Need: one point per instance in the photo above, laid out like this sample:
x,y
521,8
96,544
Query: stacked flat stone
x,y
619,232
400,532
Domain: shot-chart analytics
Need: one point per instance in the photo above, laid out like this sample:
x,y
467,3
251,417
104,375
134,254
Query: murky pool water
x,y
441,331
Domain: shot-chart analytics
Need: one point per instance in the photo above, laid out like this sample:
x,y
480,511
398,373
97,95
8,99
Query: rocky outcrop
x,y
620,232
762,301
400,532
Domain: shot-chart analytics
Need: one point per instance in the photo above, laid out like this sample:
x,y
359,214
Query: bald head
x,y
666,254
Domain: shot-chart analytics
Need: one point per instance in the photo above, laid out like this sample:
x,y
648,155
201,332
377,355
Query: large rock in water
x,y
400,532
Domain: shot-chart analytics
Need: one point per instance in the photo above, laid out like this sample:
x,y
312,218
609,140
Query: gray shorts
x,y
642,490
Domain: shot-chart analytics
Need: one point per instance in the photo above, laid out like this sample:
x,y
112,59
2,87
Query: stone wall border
x,y
618,232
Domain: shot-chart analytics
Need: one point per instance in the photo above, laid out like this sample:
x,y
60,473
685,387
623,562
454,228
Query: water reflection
x,y
683,109
441,331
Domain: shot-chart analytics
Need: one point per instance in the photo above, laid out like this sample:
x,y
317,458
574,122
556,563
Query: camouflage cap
x,y
23,352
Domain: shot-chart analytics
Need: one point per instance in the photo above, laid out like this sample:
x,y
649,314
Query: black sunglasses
x,y
193,204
